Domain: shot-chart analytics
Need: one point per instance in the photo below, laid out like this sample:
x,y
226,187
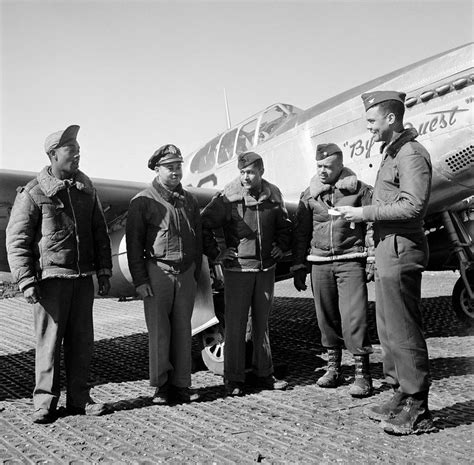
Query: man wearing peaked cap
x,y
337,254
168,153
164,253
399,205
56,240
257,232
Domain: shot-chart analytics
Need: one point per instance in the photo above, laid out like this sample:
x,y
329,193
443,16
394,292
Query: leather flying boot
x,y
182,395
414,418
162,395
234,388
388,409
362,386
271,383
333,376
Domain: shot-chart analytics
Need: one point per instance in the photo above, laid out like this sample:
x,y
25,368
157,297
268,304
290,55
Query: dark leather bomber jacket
x,y
163,226
319,237
250,225
57,229
402,188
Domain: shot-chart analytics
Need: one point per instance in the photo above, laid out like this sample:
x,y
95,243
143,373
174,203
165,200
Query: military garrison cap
x,y
61,138
378,96
326,150
247,158
168,153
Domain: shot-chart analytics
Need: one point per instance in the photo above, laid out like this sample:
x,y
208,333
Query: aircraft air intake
x,y
460,160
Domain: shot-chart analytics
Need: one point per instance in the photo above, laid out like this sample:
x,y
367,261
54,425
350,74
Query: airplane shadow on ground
x,y
296,351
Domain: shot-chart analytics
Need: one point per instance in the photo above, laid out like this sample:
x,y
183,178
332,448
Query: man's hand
x,y
104,284
352,214
226,254
277,253
299,279
144,291
369,271
32,294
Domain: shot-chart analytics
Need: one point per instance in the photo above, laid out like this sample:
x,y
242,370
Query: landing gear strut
x,y
461,240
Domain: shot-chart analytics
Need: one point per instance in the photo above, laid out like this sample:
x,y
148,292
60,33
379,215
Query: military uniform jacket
x,y
163,226
57,229
251,226
402,188
320,237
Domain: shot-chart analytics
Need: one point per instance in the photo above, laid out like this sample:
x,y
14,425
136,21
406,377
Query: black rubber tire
x,y
462,307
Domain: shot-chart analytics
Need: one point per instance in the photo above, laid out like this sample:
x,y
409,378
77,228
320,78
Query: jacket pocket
x,y
160,243
247,248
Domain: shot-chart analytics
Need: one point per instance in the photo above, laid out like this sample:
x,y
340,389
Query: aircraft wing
x,y
115,196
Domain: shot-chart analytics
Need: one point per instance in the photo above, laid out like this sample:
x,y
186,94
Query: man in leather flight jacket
x,y
337,252
56,240
399,204
164,250
257,232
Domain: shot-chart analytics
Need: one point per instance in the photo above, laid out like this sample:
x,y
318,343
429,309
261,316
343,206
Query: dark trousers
x,y
400,261
168,320
244,290
63,315
340,298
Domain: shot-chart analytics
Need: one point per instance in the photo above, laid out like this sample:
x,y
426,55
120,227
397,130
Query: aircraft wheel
x,y
213,351
462,305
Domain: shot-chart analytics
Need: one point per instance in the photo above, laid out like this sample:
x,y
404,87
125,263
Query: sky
x,y
139,74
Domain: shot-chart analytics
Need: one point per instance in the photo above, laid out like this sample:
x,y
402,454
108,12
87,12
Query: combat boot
x,y
362,386
414,417
333,376
388,409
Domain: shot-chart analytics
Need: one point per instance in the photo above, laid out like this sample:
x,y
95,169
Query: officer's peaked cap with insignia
x,y
247,158
326,150
378,96
61,138
168,153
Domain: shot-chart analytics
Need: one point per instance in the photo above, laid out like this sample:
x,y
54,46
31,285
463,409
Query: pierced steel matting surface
x,y
305,424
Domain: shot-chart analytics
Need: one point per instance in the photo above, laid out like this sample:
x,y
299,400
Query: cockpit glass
x,y
272,119
246,137
205,159
226,149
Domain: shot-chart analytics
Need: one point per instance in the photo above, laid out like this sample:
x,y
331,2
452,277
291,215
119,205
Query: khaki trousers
x,y
242,291
340,298
168,319
400,261
63,315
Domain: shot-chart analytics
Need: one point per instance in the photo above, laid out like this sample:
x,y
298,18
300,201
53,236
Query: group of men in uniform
x,y
57,239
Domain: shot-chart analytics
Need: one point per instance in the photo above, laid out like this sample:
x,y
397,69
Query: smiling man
x,y
399,204
56,240
257,232
163,236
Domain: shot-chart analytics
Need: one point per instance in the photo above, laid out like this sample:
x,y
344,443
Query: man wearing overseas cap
x,y
257,232
399,204
337,253
56,240
164,253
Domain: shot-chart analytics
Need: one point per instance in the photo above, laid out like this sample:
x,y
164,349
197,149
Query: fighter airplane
x,y
439,105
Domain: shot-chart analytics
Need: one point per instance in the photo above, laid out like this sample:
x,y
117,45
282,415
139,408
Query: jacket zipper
x,y
331,225
259,237
75,229
178,224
